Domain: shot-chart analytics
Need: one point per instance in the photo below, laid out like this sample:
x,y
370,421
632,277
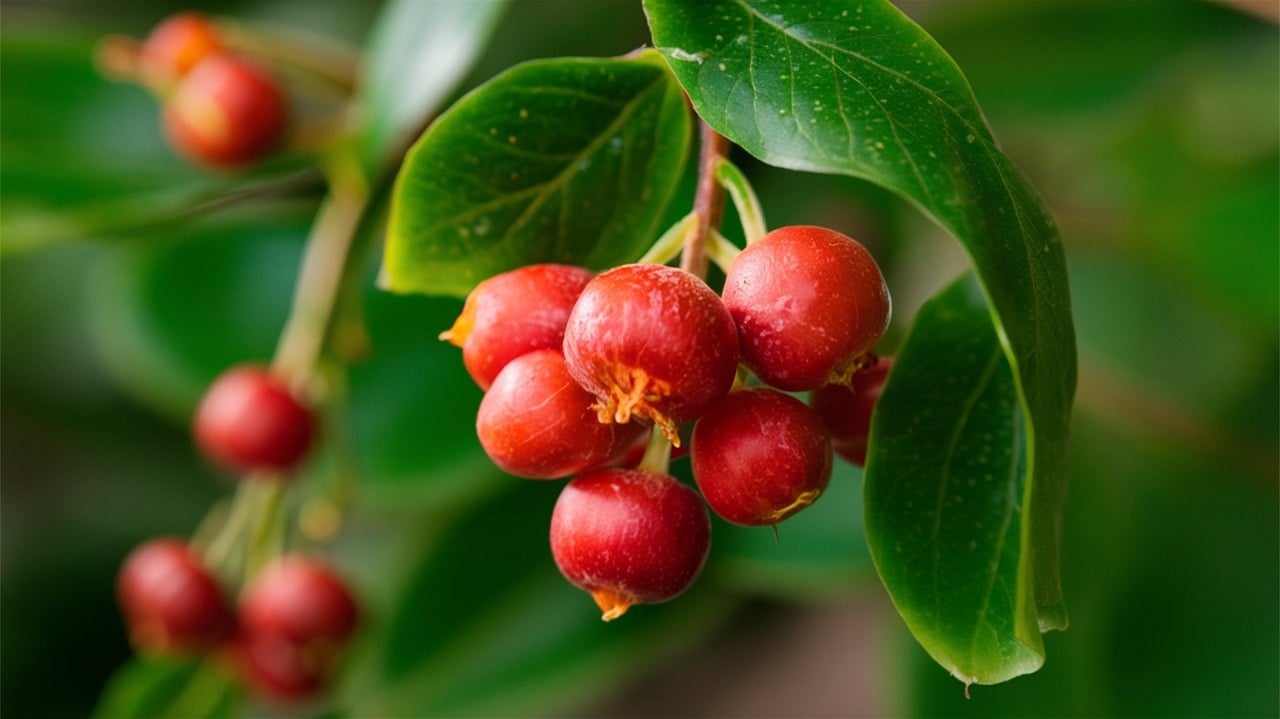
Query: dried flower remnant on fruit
x,y
629,537
653,342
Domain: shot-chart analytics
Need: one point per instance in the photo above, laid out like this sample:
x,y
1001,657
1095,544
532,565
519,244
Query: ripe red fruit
x,y
651,341
536,422
515,313
175,46
629,537
295,618
846,411
809,303
170,601
225,113
759,456
249,420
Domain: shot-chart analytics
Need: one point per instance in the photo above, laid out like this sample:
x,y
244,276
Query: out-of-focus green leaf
x,y
945,493
412,406
819,551
564,160
170,316
855,88
417,54
486,626
170,689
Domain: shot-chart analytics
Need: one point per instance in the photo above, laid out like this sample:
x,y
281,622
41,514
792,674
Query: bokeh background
x,y
128,280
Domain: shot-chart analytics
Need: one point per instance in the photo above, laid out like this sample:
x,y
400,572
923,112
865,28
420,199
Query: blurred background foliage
x,y
128,280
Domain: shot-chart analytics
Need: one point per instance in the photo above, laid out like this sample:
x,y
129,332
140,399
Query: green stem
x,y
326,59
721,250
668,246
750,214
657,454
255,514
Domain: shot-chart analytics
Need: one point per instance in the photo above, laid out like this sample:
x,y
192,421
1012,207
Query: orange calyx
x,y
612,603
461,329
804,499
633,392
842,374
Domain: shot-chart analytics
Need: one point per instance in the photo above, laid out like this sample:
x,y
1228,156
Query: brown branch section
x,y
708,202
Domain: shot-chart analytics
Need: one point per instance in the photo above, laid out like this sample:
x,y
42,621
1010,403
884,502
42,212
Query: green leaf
x,y
418,52
855,88
564,160
168,316
945,494
162,689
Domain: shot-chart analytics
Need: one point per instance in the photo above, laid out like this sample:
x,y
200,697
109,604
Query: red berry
x,y
809,304
846,410
295,618
170,601
536,422
759,456
651,341
175,46
225,113
629,537
248,420
515,313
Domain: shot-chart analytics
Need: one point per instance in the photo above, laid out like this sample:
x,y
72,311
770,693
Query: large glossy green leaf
x,y
853,87
417,54
570,160
170,689
945,494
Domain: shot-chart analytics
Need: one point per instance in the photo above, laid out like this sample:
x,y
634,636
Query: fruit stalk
x,y
708,201
325,263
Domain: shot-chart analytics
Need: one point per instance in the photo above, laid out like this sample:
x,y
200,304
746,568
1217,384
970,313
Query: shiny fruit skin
x,y
629,537
226,113
537,422
651,341
295,619
514,313
846,410
174,47
809,302
171,603
759,456
248,420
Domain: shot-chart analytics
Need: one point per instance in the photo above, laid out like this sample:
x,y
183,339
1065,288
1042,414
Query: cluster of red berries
x,y
286,636
219,108
578,367
295,616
